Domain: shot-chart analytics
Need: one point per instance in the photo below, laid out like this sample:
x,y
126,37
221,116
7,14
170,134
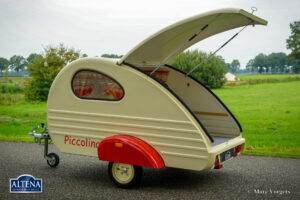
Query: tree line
x,y
16,62
19,63
273,63
280,62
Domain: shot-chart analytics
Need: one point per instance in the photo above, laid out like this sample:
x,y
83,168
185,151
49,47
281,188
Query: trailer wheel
x,y
125,175
53,160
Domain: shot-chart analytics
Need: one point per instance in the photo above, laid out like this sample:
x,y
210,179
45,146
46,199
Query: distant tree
x,y
277,62
31,57
235,65
3,64
111,55
44,69
250,65
260,62
84,55
282,61
293,43
211,73
274,62
295,63
228,66
17,63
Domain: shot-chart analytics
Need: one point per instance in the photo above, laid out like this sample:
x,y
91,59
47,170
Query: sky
x,y
96,27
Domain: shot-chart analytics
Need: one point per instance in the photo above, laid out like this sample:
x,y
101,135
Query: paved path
x,y
80,177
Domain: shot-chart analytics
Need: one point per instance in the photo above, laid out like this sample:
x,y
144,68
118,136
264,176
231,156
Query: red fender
x,y
129,150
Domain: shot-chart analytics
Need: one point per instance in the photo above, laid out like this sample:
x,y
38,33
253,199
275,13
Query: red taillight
x,y
237,150
217,163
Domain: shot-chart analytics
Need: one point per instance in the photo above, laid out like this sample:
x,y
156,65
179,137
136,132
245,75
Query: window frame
x,y
103,74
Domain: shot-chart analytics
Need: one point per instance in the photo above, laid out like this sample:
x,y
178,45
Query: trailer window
x,y
89,84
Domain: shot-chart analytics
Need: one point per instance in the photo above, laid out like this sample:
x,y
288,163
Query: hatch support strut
x,y
190,39
218,49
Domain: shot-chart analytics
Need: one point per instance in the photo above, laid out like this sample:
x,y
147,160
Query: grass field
x,y
267,76
253,79
269,115
12,90
16,121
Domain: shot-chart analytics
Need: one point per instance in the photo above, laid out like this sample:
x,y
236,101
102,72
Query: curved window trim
x,y
101,99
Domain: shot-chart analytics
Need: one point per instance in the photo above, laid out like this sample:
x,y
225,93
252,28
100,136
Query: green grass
x,y
17,117
12,90
16,121
253,79
266,76
269,115
19,80
12,99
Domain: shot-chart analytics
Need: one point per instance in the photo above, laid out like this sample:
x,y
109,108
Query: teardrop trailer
x,y
141,112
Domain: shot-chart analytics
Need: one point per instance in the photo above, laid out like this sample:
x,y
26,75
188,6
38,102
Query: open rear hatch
x,y
160,48
163,46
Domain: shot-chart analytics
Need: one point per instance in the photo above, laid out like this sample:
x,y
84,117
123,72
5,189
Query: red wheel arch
x,y
129,150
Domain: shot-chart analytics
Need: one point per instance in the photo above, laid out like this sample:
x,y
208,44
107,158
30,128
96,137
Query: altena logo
x,y
26,184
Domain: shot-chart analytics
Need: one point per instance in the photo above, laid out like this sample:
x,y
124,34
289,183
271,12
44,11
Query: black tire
x,y
133,179
54,160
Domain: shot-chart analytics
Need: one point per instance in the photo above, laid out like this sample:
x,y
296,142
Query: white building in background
x,y
231,77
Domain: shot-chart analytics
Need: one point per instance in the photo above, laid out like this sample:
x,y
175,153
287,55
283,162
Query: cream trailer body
x,y
141,112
